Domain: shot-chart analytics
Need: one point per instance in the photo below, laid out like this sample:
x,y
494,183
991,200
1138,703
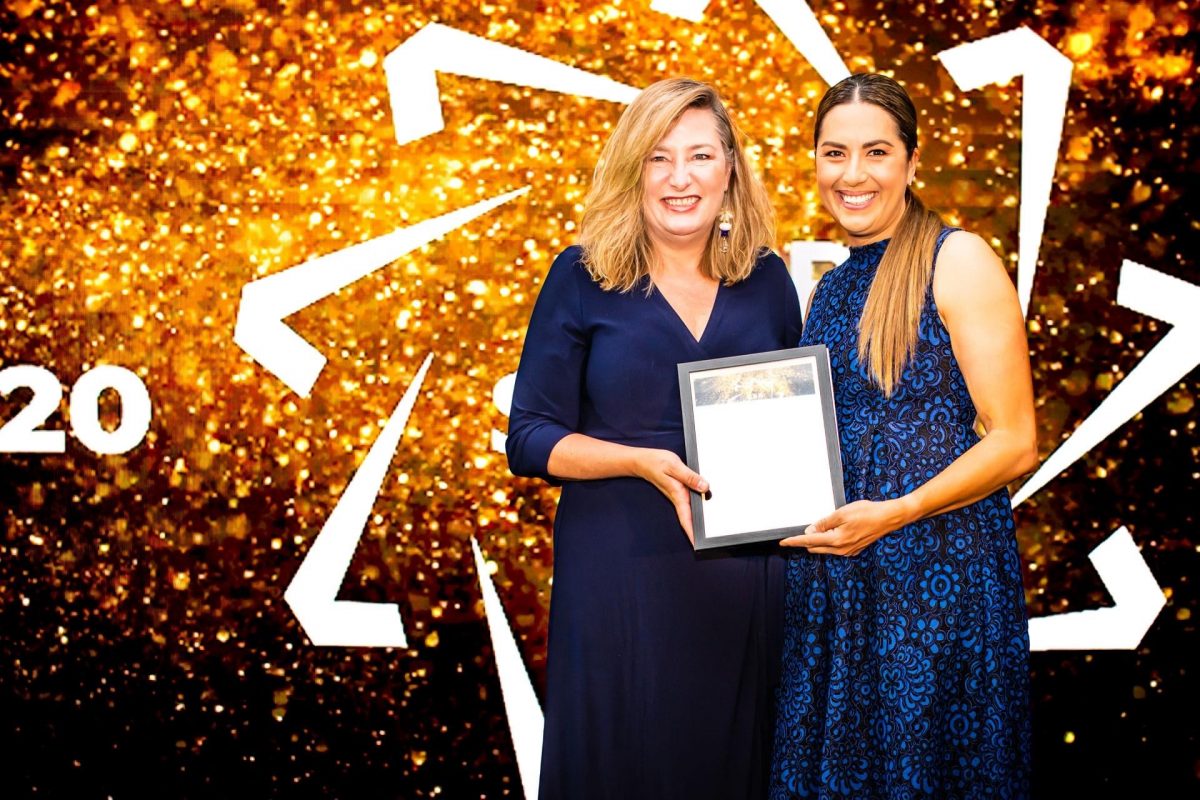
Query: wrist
x,y
907,510
635,461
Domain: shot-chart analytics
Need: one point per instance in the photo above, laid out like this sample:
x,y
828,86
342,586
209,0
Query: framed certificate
x,y
762,431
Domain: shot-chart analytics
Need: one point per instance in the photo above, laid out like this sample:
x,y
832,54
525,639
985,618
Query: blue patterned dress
x,y
905,671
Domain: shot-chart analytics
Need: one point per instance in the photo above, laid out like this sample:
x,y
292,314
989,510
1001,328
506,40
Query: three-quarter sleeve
x,y
788,315
547,395
792,315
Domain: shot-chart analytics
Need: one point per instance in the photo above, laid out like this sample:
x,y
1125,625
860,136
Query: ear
x,y
728,173
913,161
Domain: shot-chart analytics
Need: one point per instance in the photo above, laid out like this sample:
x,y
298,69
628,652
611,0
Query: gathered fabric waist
x,y
886,459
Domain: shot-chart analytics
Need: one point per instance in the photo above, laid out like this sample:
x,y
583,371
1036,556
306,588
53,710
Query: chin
x,y
856,228
859,228
682,232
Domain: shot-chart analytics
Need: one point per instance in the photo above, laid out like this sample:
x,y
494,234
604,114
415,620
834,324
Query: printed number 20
x,y
21,434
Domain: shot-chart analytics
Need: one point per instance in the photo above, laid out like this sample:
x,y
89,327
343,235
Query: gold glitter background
x,y
159,155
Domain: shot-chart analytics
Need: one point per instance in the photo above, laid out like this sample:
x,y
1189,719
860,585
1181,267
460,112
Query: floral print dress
x,y
905,671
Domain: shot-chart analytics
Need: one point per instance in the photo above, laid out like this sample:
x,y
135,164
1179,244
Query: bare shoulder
x,y
966,255
969,273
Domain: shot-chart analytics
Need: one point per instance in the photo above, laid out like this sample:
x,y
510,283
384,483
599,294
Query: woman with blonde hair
x,y
906,647
661,662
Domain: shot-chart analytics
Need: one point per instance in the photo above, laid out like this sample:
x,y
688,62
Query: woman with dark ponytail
x,y
906,647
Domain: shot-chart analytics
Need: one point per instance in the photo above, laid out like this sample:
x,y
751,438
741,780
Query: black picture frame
x,y
765,426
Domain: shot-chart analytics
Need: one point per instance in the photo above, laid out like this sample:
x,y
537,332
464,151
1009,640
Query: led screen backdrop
x,y
266,269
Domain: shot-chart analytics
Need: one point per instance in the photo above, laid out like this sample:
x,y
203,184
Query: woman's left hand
x,y
847,531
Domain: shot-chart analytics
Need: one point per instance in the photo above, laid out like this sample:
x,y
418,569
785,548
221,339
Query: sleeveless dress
x,y
662,663
905,671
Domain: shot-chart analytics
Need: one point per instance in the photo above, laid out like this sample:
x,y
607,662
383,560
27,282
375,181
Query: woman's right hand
x,y
578,457
673,478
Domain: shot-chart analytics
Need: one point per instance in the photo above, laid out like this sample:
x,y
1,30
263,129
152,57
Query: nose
x,y
680,176
854,173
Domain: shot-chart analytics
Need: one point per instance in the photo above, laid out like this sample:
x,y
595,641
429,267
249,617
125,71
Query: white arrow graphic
x,y
1135,593
412,69
1157,295
260,329
1047,73
692,10
312,594
520,701
793,17
803,256
502,395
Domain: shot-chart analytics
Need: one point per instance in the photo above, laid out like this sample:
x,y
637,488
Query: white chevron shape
x,y
520,701
1169,300
312,594
691,10
803,256
260,329
412,68
502,395
1136,595
1047,82
795,18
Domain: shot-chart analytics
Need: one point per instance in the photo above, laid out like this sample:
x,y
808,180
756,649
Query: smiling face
x,y
863,170
684,181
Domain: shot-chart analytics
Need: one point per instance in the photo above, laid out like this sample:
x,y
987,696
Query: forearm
x,y
997,459
581,457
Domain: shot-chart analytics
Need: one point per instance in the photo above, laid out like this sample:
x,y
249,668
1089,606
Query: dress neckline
x,y
869,249
683,326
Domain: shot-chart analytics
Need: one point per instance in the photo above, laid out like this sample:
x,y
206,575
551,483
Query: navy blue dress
x,y
661,663
905,670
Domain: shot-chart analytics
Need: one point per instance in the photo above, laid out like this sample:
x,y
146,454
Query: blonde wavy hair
x,y
888,330
617,250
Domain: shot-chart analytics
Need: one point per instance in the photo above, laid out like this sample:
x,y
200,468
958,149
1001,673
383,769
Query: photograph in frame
x,y
762,431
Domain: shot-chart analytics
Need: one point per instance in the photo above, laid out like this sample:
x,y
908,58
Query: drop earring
x,y
725,225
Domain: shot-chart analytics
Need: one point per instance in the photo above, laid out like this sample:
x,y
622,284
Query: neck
x,y
674,258
863,241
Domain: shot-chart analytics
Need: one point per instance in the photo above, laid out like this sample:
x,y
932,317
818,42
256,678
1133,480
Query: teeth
x,y
682,202
858,200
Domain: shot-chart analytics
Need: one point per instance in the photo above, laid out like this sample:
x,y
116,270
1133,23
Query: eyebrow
x,y
658,147
871,143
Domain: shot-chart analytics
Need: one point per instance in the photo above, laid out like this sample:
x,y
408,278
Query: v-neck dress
x,y
661,662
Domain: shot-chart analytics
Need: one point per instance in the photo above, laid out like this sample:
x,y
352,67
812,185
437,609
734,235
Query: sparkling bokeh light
x,y
160,155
